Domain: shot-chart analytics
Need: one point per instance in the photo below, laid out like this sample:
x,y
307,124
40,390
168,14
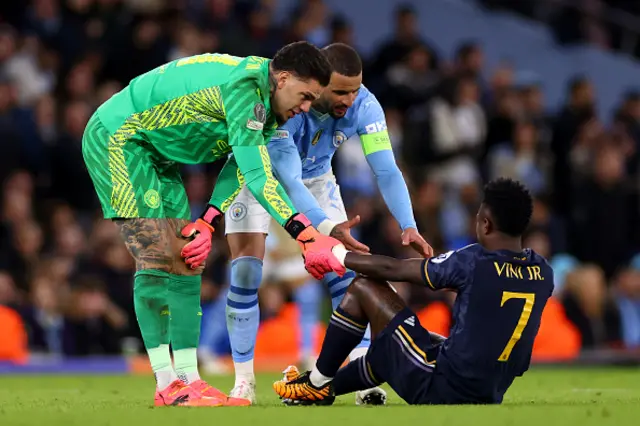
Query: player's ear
x,y
487,226
282,78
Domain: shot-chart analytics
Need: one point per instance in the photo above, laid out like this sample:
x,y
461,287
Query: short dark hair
x,y
343,59
510,204
305,61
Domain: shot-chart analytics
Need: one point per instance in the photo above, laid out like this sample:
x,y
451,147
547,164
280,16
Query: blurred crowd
x,y
607,24
453,124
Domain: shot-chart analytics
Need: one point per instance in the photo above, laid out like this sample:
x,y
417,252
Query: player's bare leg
x,y
165,288
243,312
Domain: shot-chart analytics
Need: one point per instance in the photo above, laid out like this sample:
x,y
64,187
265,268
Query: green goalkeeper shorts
x,y
131,179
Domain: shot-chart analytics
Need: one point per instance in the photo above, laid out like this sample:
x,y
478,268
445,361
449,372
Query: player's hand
x,y
316,248
412,237
197,251
319,263
342,233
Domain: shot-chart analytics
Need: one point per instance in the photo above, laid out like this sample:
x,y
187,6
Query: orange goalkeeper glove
x,y
196,252
316,248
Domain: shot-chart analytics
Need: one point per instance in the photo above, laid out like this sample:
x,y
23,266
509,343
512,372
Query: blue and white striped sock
x,y
243,313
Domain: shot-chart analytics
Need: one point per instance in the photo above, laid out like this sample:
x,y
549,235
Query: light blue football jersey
x,y
317,136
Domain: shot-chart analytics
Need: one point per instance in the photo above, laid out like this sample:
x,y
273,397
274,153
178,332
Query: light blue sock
x,y
337,286
308,297
243,312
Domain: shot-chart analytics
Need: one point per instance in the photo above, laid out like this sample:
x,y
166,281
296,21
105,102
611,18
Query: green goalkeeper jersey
x,y
200,109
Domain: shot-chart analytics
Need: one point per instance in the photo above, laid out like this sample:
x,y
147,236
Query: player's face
x,y
340,95
293,96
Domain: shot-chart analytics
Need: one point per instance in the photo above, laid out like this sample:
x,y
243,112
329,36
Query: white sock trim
x,y
244,371
318,379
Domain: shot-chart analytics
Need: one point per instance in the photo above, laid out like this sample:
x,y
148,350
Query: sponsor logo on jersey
x,y
378,126
254,125
152,199
280,134
316,137
237,211
338,138
260,112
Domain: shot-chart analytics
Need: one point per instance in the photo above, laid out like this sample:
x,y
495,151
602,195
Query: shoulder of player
x,y
289,128
365,99
252,69
467,254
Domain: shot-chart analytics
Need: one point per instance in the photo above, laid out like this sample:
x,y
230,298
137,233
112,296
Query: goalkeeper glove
x,y
316,248
196,252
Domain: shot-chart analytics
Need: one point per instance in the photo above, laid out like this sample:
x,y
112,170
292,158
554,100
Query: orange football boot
x,y
179,394
208,391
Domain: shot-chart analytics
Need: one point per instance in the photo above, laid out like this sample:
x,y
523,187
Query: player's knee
x,y
359,286
246,272
245,244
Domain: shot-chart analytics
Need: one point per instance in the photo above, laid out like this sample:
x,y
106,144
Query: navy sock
x,y
355,376
343,334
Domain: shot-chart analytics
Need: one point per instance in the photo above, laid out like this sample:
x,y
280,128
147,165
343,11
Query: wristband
x,y
326,226
340,252
296,224
211,215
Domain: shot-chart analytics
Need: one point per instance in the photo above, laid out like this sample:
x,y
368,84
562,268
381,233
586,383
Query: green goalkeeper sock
x,y
184,327
150,293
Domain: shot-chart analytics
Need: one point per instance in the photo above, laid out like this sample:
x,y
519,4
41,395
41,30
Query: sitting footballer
x,y
501,291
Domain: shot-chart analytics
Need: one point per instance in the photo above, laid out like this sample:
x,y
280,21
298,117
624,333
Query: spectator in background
x,y
519,159
8,293
94,325
626,293
458,132
411,81
502,118
600,221
341,31
578,111
589,306
406,36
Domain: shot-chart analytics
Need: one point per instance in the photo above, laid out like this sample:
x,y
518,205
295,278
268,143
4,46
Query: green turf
x,y
544,397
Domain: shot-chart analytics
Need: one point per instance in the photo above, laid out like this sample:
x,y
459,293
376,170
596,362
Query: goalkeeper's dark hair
x,y
343,59
305,61
510,204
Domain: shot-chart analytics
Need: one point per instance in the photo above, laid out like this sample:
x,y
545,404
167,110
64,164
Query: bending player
x,y
301,152
501,293
193,110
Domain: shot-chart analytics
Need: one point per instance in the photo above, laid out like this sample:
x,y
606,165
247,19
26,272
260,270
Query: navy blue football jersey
x,y
497,312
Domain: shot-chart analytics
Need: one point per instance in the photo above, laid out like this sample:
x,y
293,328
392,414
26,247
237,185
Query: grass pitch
x,y
543,397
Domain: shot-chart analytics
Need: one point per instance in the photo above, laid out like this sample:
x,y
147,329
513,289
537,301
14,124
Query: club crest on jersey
x,y
316,137
152,199
260,112
238,211
338,138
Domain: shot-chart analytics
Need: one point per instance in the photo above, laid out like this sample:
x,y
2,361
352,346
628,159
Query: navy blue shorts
x,y
404,356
